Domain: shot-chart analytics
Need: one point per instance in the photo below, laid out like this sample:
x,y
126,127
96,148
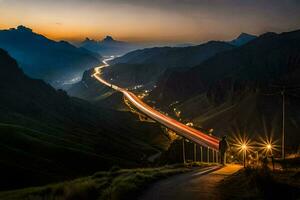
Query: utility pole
x,y
283,91
283,124
195,152
183,151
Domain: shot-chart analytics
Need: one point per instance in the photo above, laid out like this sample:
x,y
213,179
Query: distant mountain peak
x,y
108,46
268,34
43,58
242,39
24,28
87,40
108,38
243,35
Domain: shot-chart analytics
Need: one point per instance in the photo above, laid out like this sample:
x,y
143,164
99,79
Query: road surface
x,y
181,129
200,185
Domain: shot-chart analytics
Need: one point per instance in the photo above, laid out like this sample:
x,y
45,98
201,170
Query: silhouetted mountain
x,y
144,67
171,57
227,91
108,46
48,136
242,39
40,57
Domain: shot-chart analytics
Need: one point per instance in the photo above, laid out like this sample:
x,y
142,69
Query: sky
x,y
175,21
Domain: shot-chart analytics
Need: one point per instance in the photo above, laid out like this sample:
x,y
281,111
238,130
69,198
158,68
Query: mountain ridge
x,y
40,57
242,39
145,66
233,77
108,46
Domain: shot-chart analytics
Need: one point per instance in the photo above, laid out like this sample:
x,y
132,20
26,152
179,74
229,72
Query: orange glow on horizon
x,y
127,23
141,21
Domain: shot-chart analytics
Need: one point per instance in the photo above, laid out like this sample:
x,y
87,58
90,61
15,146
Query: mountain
x,y
108,46
47,136
144,67
173,57
57,63
242,39
230,91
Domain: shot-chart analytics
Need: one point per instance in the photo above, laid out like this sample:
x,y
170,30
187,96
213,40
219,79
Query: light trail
x,y
181,129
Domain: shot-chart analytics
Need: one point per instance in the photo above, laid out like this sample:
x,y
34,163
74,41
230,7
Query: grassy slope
x,y
31,156
48,136
115,184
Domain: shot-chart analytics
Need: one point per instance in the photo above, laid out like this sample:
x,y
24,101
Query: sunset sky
x,y
151,20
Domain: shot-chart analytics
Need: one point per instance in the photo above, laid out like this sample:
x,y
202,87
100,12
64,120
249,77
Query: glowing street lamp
x,y
243,145
244,149
267,146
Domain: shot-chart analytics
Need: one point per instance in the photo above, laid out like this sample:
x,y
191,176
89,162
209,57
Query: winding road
x,y
181,129
201,184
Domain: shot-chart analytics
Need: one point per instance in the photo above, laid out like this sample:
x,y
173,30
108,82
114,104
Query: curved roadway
x,y
181,129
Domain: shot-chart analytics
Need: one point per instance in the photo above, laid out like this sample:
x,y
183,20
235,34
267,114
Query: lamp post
x,y
283,124
269,148
244,149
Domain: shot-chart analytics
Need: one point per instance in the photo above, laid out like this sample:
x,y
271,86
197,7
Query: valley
x,y
136,99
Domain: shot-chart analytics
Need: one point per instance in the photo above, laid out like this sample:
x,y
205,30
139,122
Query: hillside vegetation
x,y
238,91
48,136
116,184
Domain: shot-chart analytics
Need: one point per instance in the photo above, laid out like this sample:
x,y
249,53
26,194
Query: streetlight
x,y
244,149
267,145
283,125
243,145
